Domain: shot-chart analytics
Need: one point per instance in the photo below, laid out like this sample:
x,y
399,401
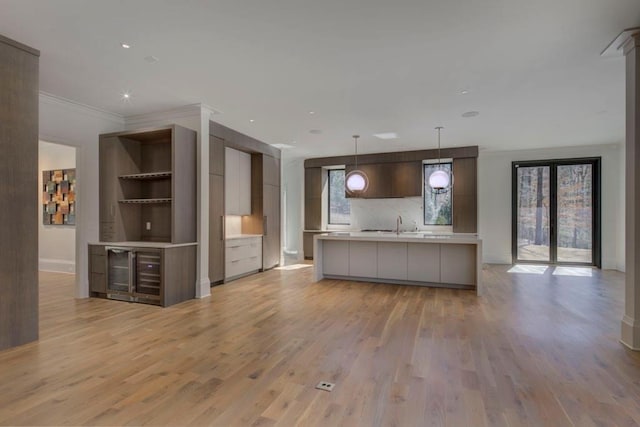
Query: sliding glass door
x,y
556,212
533,213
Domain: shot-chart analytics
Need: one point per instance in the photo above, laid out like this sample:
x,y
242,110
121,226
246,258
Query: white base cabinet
x,y
392,261
336,258
243,255
421,262
362,259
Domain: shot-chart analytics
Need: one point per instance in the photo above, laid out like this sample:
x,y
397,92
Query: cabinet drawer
x,y
241,252
247,241
242,266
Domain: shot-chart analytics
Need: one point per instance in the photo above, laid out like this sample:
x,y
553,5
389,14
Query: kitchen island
x,y
406,258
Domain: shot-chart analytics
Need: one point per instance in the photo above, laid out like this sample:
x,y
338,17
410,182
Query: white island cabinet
x,y
452,261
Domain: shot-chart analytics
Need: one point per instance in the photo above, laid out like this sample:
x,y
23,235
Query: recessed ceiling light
x,y
386,135
125,96
312,112
251,120
315,131
125,45
151,59
282,146
464,92
470,114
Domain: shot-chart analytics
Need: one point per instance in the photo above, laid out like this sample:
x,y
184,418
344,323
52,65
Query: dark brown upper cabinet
x,y
391,180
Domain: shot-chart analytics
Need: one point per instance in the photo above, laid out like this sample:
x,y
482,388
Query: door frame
x,y
596,226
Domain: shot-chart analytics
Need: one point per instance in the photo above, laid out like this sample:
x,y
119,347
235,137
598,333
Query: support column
x,y
631,321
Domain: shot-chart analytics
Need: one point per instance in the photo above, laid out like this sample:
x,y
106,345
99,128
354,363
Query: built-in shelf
x,y
146,201
148,175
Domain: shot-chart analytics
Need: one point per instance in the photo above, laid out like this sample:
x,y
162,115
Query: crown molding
x,y
615,47
192,110
78,107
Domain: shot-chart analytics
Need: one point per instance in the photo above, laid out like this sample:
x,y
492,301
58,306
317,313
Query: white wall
x,y
293,205
77,125
56,243
494,199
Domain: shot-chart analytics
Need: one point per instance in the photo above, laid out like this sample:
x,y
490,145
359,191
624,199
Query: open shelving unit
x,y
147,175
146,201
148,185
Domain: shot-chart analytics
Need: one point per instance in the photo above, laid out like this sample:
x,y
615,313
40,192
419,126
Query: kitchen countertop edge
x,y
159,245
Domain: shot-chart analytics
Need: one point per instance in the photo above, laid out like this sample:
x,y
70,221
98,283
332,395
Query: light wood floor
x,y
538,350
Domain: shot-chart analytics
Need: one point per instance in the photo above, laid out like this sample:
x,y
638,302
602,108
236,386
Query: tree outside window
x,y
437,207
339,205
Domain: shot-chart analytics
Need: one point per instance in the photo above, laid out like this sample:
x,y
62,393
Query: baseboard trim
x,y
203,288
57,265
630,333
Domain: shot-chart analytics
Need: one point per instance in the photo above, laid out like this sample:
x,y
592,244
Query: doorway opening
x,y
556,212
56,208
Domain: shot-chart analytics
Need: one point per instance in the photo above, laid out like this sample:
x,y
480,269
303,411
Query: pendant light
x,y
440,180
356,181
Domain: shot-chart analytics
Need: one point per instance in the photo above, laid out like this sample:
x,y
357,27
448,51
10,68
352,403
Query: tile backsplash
x,y
382,214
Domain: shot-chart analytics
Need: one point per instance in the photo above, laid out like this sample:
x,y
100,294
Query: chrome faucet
x,y
398,222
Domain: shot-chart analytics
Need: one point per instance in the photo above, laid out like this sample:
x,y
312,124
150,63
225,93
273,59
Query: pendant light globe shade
x,y
439,180
356,182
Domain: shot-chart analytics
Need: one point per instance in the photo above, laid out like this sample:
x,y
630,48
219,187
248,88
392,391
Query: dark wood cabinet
x,y
271,227
162,275
216,155
465,195
406,179
389,180
399,174
271,170
148,185
216,209
265,197
271,212
97,269
216,228
313,198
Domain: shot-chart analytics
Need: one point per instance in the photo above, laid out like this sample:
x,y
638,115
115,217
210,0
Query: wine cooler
x,y
134,275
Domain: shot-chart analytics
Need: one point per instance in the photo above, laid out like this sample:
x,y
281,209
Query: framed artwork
x,y
59,197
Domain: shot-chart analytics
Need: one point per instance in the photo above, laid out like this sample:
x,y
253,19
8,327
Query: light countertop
x,y
412,237
241,236
158,245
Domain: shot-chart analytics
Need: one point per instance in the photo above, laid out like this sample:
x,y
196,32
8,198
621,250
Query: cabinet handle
x,y
264,225
112,211
221,227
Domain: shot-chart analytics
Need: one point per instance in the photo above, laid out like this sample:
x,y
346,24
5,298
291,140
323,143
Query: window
x,y
437,207
339,205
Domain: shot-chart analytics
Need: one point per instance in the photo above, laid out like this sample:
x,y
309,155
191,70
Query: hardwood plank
x,y
535,350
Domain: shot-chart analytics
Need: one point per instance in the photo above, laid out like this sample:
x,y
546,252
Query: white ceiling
x,y
532,68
